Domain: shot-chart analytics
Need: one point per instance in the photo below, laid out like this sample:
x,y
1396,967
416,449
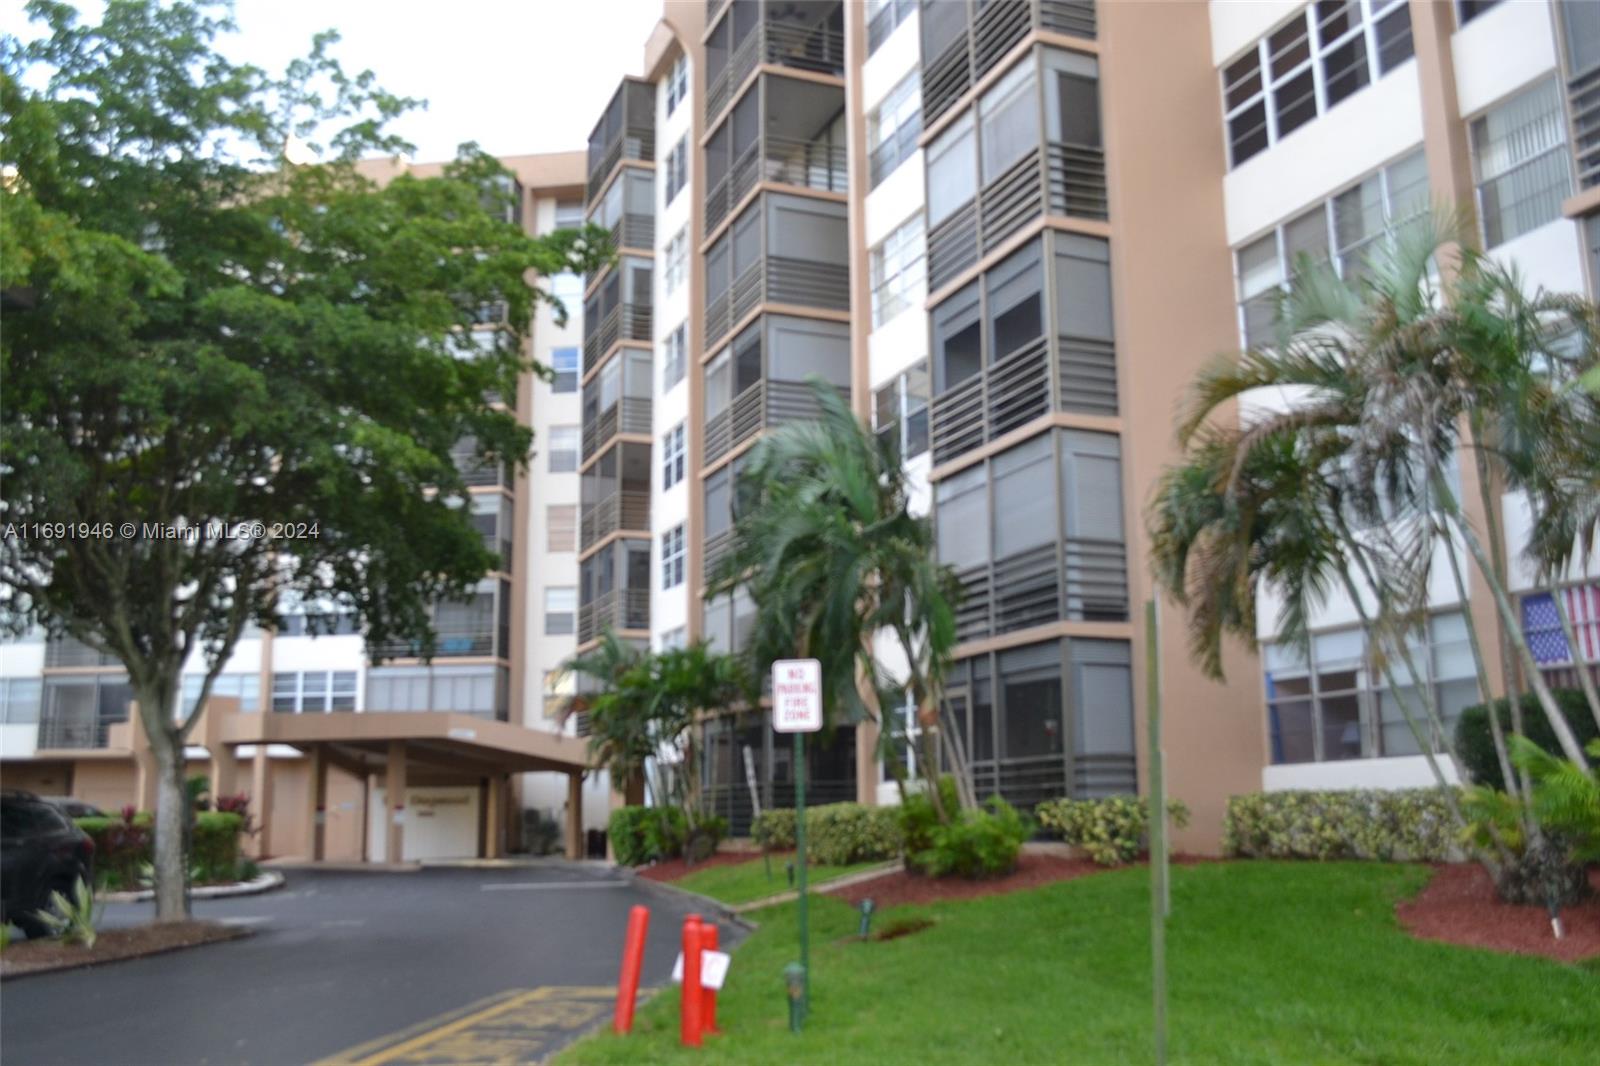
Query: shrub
x,y
123,845
982,843
774,830
1476,744
647,834
918,818
1355,824
1111,831
214,847
837,834
73,920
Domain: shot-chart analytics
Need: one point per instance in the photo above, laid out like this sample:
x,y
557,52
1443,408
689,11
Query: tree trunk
x,y
1485,693
171,851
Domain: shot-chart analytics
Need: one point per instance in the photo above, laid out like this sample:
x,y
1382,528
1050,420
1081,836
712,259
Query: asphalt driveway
x,y
433,965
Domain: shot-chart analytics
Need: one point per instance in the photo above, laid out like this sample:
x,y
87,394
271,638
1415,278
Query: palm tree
x,y
620,736
1394,375
831,555
675,686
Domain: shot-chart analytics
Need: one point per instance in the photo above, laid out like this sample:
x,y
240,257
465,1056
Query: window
x,y
563,449
19,701
561,527
1519,156
898,271
564,361
1338,704
677,168
675,638
479,690
672,457
677,261
673,358
1345,229
893,127
952,170
882,18
314,692
1323,55
1467,10
306,621
1542,625
900,411
246,688
1009,114
560,609
567,290
677,83
672,556
569,214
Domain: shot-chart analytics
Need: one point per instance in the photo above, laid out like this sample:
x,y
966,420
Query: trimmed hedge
x,y
837,834
646,834
1111,831
981,843
123,847
1476,743
1411,824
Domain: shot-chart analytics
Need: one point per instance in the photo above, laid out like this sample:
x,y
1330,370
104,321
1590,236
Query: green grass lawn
x,y
742,882
1267,962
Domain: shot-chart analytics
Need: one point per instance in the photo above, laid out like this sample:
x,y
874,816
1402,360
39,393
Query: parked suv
x,y
41,852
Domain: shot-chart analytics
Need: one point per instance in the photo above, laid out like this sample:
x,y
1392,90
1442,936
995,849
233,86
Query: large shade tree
x,y
830,552
1393,376
229,379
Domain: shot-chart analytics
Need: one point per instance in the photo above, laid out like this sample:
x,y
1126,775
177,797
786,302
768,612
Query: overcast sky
x,y
514,75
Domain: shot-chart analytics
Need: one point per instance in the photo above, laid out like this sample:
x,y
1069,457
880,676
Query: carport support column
x,y
261,800
575,816
316,803
394,786
494,823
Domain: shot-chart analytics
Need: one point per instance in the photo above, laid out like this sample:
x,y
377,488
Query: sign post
x,y
797,709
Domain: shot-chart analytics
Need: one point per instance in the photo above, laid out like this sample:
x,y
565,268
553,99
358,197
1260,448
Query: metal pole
x,y
1158,832
800,863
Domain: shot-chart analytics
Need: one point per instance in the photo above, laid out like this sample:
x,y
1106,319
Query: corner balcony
x,y
1077,579
617,401
620,610
618,310
803,35
615,494
782,249
783,130
962,40
627,130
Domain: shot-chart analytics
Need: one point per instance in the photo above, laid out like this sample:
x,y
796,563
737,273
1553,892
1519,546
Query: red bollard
x,y
632,959
708,1009
691,1000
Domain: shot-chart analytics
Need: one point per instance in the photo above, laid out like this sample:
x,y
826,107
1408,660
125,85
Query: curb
x,y
663,888
824,888
240,933
265,883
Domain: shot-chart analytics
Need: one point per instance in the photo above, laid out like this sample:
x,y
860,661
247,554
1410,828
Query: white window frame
x,y
676,269
569,436
334,685
677,83
674,358
677,168
673,454
672,558
1506,164
899,266
558,610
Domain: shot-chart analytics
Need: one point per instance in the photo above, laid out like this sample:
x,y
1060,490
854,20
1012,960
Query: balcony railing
x,y
1073,176
1078,580
786,160
625,509
475,473
779,279
886,158
1583,97
631,414
718,545
993,33
618,610
636,142
762,405
78,730
69,651
451,642
1017,389
632,231
818,49
889,16
626,322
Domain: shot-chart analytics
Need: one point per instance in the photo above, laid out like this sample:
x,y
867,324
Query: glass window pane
x,y
1291,733
1023,500
952,170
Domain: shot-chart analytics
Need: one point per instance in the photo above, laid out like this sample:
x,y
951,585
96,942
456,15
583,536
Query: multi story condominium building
x,y
1011,233
318,730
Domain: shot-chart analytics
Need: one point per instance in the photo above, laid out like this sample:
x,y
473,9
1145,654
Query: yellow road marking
x,y
512,1026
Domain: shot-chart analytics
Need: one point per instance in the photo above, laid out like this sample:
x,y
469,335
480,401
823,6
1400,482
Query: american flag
x,y
1543,626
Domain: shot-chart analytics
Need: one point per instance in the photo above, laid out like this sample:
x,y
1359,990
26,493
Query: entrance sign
x,y
797,695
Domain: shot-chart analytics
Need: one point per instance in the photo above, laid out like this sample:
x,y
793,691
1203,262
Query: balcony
x,y
961,45
627,214
618,512
77,730
800,34
618,610
745,269
615,494
624,322
476,627
69,651
783,130
475,472
627,130
617,400
1079,579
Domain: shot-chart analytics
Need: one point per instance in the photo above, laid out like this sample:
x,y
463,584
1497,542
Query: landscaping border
x,y
222,934
269,880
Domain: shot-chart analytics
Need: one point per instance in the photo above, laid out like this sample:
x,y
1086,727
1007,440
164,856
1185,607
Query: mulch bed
x,y
673,869
113,945
1459,906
